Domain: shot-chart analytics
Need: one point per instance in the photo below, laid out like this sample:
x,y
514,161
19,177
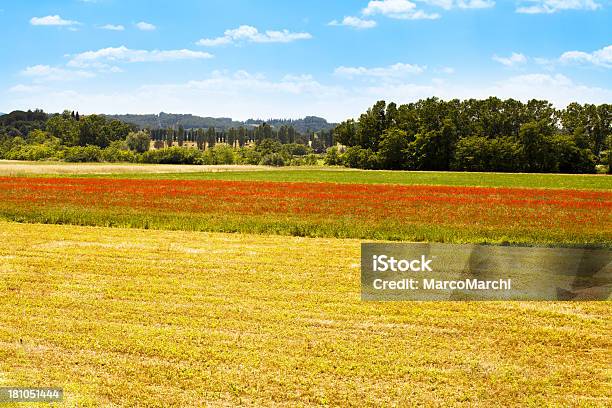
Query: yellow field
x,y
124,317
13,168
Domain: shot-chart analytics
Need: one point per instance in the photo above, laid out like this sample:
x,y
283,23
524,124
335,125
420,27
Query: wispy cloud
x,y
461,4
246,33
54,20
113,27
355,22
392,71
601,57
554,6
103,57
144,26
513,60
21,88
44,73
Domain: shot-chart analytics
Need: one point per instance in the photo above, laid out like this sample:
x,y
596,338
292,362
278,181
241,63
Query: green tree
x,y
392,149
139,142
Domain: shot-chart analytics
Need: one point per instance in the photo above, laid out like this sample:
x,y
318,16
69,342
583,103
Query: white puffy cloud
x,y
511,61
355,22
144,26
104,56
44,73
554,6
407,10
602,57
54,20
392,71
398,9
249,33
113,27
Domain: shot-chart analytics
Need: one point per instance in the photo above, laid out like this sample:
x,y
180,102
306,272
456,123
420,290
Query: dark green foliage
x,y
273,159
358,157
477,135
172,155
393,149
83,154
478,153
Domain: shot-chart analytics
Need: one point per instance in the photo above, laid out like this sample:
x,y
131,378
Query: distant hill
x,y
312,123
171,120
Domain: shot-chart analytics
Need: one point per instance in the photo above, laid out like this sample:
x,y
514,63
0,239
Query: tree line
x,y
477,135
241,136
35,135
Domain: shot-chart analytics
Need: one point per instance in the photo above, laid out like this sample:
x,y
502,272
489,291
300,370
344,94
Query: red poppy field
x,y
371,211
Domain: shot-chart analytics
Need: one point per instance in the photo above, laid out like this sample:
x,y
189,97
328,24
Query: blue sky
x,y
262,59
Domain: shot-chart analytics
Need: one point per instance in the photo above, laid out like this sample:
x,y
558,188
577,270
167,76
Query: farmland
x,y
127,317
301,174
368,211
243,288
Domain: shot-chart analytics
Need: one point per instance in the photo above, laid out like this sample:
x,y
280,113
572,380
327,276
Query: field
x,y
301,174
369,211
127,317
169,286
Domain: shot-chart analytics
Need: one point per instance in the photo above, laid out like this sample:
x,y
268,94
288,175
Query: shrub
x,y
172,155
359,158
332,157
248,155
273,159
32,152
112,154
311,160
83,154
296,149
220,154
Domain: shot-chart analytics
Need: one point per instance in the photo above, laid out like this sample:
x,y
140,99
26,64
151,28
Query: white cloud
x,y
113,27
219,94
144,26
251,34
44,73
392,71
232,94
558,89
553,6
602,57
512,60
104,56
407,10
21,88
355,22
462,4
54,20
398,9
446,70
